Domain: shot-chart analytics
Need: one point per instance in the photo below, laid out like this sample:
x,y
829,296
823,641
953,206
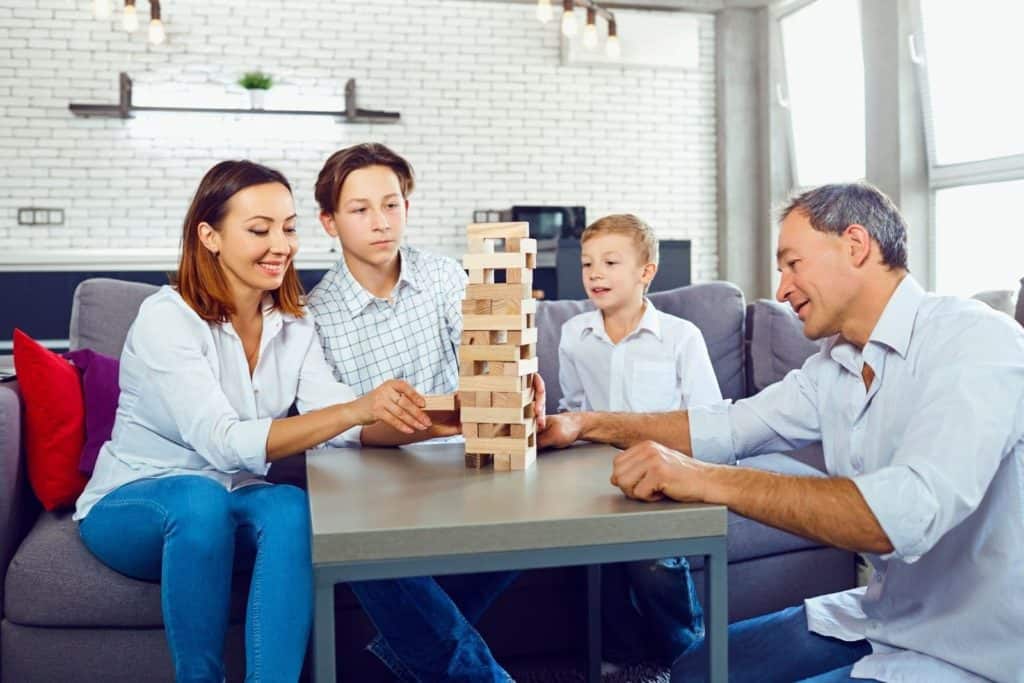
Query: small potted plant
x,y
257,83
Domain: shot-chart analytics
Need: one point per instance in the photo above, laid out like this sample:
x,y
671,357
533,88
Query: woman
x,y
208,373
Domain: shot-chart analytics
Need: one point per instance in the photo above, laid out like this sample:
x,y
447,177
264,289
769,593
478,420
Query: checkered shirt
x,y
415,336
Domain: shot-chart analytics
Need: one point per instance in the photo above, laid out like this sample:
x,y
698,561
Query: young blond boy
x,y
628,356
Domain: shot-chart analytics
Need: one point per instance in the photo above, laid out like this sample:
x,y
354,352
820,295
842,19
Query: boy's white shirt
x,y
661,365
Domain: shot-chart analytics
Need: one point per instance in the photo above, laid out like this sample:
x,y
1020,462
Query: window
x,y
979,238
972,53
824,64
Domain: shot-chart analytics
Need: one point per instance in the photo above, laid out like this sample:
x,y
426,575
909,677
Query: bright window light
x,y
825,79
973,54
979,235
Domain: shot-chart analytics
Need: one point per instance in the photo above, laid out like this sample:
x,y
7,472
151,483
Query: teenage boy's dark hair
x,y
341,163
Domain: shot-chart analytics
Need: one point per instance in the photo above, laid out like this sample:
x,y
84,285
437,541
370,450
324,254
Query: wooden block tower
x,y
498,356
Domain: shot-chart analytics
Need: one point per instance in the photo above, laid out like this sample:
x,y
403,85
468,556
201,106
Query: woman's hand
x,y
396,404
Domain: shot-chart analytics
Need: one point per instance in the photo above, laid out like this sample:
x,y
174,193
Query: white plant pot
x,y
257,98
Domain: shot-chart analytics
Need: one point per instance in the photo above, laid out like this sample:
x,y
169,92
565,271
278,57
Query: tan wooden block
x,y
517,399
531,260
505,230
506,290
528,351
522,276
473,368
514,417
487,383
495,368
519,368
478,461
440,402
483,399
482,245
502,462
477,337
530,318
512,306
496,322
503,352
521,337
498,444
524,460
518,431
492,430
469,429
481,276
477,307
495,260
521,245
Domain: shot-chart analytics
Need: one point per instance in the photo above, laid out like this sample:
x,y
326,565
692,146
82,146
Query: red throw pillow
x,y
54,422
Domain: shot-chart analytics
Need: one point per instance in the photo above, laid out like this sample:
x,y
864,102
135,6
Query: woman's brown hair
x,y
200,280
343,162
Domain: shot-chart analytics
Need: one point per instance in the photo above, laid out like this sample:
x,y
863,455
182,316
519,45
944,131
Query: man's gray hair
x,y
833,208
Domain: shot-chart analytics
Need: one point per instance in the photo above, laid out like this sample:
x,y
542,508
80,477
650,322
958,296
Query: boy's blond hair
x,y
629,225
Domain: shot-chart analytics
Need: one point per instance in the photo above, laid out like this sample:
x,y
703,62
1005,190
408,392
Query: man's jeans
x,y
183,531
777,647
425,625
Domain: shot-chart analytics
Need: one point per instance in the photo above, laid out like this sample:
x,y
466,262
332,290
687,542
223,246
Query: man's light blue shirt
x,y
936,447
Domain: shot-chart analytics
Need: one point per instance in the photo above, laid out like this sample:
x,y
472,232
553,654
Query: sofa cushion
x,y
54,580
716,308
777,343
54,422
100,389
102,311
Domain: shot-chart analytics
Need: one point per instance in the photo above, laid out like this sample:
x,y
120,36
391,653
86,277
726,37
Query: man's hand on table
x,y
561,431
649,471
539,401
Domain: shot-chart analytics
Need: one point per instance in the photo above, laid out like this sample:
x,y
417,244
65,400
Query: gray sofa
x,y
66,617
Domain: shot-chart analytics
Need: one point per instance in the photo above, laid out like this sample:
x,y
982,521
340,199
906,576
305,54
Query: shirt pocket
x,y
654,387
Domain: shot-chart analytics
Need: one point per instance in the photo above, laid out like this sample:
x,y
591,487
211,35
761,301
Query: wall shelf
x,y
124,109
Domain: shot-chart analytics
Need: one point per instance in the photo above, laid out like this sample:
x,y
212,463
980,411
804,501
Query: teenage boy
x,y
387,311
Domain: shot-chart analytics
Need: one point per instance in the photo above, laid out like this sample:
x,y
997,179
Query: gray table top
x,y
422,501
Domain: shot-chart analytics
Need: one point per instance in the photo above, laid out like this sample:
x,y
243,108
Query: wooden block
x,y
523,276
478,461
496,322
506,230
469,430
524,460
478,307
528,351
492,430
530,317
503,352
521,245
483,245
500,444
495,368
531,260
502,462
440,402
481,276
519,368
473,338
499,291
496,260
483,399
473,368
511,306
518,431
521,337
515,399
511,416
487,383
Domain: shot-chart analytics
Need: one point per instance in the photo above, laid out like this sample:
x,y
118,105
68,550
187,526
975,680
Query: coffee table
x,y
382,513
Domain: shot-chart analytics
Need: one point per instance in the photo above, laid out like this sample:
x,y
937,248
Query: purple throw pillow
x,y
100,390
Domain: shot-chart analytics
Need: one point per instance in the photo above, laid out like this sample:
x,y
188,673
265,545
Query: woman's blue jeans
x,y
183,531
425,625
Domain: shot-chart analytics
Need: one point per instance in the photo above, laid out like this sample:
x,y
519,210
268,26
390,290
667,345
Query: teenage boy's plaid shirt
x,y
415,336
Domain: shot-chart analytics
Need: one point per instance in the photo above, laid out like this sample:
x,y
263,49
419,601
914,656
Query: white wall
x,y
489,117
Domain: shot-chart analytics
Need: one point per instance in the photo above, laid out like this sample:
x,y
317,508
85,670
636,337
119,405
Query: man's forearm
x,y
626,429
829,510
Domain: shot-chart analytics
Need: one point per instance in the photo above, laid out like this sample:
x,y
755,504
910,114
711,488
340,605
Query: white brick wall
x,y
489,117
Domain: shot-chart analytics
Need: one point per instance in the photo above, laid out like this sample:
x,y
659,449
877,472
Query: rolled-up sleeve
x,y
171,347
783,417
966,415
318,389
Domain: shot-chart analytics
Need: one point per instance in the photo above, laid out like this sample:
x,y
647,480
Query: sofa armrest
x,y
18,506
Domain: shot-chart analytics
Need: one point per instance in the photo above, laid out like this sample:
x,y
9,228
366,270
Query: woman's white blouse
x,y
189,406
